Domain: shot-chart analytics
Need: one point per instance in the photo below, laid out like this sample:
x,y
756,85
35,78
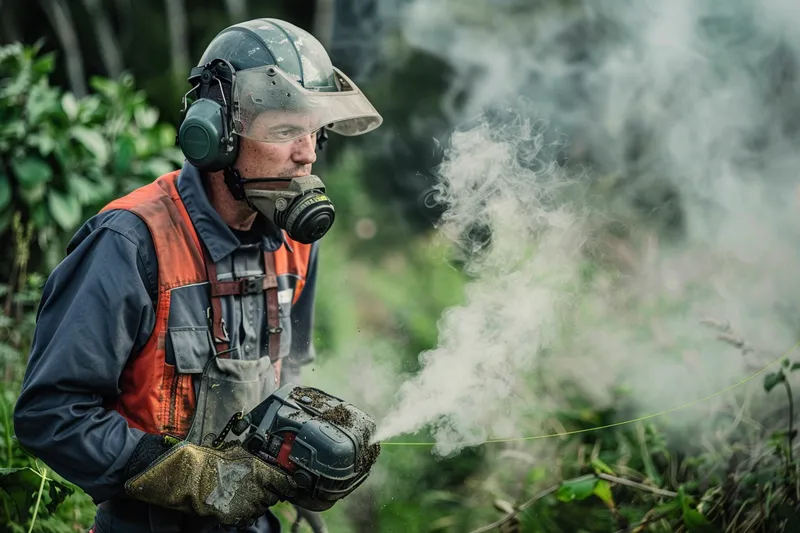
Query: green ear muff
x,y
203,138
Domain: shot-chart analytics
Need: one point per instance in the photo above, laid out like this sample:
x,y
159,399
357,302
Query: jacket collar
x,y
217,237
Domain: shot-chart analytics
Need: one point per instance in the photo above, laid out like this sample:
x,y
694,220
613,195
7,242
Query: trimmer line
x,y
615,424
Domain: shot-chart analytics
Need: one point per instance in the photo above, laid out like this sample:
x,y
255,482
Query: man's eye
x,y
286,133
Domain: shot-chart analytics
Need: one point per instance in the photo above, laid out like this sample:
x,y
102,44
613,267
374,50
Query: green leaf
x,y
146,117
785,363
89,107
164,136
41,102
536,475
694,521
772,379
795,366
65,209
94,142
670,506
43,142
85,190
13,130
5,191
577,488
124,154
70,105
19,488
599,466
41,216
106,87
31,171
33,195
603,491
155,167
5,220
44,64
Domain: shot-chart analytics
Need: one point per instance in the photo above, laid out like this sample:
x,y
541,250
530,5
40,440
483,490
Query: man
x,y
178,304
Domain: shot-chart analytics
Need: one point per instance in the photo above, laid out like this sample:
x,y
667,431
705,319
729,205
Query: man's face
x,y
282,159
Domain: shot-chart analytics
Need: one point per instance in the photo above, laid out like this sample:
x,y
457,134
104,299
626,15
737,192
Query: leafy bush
x,y
62,158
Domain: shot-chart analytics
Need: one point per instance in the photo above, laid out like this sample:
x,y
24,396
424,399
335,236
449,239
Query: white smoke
x,y
695,97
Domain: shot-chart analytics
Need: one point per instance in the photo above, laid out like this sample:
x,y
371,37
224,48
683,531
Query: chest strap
x,y
268,284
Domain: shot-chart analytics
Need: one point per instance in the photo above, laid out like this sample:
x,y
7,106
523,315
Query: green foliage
x,y
63,158
33,498
576,489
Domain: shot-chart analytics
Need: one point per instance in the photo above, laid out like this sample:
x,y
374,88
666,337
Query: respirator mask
x,y
266,104
297,205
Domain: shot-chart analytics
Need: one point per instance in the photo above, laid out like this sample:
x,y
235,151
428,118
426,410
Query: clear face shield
x,y
269,106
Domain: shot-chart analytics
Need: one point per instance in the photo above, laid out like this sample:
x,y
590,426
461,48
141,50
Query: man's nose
x,y
304,152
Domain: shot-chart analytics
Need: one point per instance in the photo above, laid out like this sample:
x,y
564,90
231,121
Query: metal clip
x,y
252,285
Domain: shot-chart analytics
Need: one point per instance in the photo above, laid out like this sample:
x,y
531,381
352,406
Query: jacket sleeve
x,y
96,310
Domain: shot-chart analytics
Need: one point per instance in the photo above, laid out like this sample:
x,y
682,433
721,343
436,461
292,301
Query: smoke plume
x,y
624,170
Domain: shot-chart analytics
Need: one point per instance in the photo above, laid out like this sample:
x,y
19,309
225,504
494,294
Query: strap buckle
x,y
252,285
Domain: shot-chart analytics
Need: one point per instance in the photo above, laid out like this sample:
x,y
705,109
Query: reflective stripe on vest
x,y
154,396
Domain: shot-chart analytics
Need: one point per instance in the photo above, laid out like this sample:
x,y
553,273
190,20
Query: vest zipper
x,y
172,399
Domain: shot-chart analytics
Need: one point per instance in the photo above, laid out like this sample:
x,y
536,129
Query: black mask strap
x,y
235,183
322,138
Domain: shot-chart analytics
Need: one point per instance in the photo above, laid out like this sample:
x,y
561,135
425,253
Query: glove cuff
x,y
150,448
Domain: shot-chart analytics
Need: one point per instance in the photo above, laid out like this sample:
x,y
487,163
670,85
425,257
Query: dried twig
x,y
727,335
546,492
635,528
314,520
640,486
516,511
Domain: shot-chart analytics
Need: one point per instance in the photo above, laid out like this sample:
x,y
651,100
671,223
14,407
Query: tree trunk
x,y
237,10
323,22
10,29
124,10
178,38
109,46
10,32
60,17
322,29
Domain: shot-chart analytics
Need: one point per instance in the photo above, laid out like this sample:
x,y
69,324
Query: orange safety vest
x,y
154,396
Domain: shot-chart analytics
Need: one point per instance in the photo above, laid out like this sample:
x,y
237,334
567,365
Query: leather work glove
x,y
229,484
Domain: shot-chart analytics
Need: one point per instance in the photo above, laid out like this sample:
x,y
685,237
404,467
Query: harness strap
x,y
271,300
268,284
221,338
